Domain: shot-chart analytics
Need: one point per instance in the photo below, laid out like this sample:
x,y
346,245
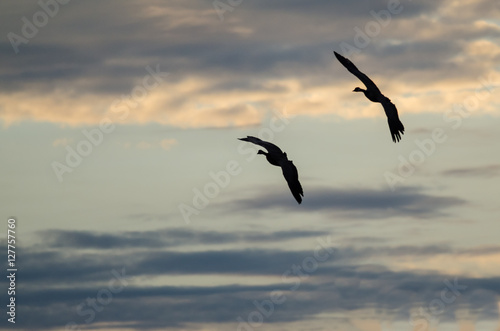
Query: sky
x,y
137,208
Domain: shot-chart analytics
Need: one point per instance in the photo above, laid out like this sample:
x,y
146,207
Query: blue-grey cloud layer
x,y
56,283
359,202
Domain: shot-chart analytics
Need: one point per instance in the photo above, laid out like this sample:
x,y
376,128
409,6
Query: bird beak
x,y
354,90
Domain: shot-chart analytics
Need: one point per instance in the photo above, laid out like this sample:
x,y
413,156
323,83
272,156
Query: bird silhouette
x,y
276,157
373,94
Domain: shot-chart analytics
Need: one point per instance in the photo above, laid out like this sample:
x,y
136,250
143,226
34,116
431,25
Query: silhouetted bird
x,y
373,94
276,157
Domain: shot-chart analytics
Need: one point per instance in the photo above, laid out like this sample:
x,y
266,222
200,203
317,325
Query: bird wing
x,y
355,71
395,124
271,148
292,178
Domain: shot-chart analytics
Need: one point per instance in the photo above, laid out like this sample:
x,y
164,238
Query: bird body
x,y
373,94
277,157
275,160
369,94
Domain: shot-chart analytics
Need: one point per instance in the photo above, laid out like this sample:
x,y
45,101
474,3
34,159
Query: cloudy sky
x,y
137,208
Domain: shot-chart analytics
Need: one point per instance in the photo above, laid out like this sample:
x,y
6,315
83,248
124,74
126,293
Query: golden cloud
x,y
192,103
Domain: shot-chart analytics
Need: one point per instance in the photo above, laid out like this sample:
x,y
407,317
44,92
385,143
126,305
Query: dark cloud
x,y
264,262
69,264
329,290
414,56
57,282
67,257
340,9
65,268
358,203
165,238
104,47
486,171
81,239
482,250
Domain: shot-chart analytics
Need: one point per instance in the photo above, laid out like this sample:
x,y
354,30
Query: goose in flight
x,y
277,158
373,94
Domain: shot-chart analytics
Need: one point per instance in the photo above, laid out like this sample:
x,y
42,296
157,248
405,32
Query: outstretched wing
x,y
292,178
271,148
395,125
355,71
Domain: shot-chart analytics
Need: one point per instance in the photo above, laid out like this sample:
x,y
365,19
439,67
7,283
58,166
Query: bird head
x,y
357,89
261,152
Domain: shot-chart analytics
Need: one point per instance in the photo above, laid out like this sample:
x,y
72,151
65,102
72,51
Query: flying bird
x,y
373,94
276,157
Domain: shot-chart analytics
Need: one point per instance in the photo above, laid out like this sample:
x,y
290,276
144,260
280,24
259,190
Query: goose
x,y
373,94
276,157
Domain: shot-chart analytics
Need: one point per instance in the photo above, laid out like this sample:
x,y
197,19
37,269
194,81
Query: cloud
x,y
344,288
357,203
90,240
486,171
58,281
94,255
244,66
165,238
